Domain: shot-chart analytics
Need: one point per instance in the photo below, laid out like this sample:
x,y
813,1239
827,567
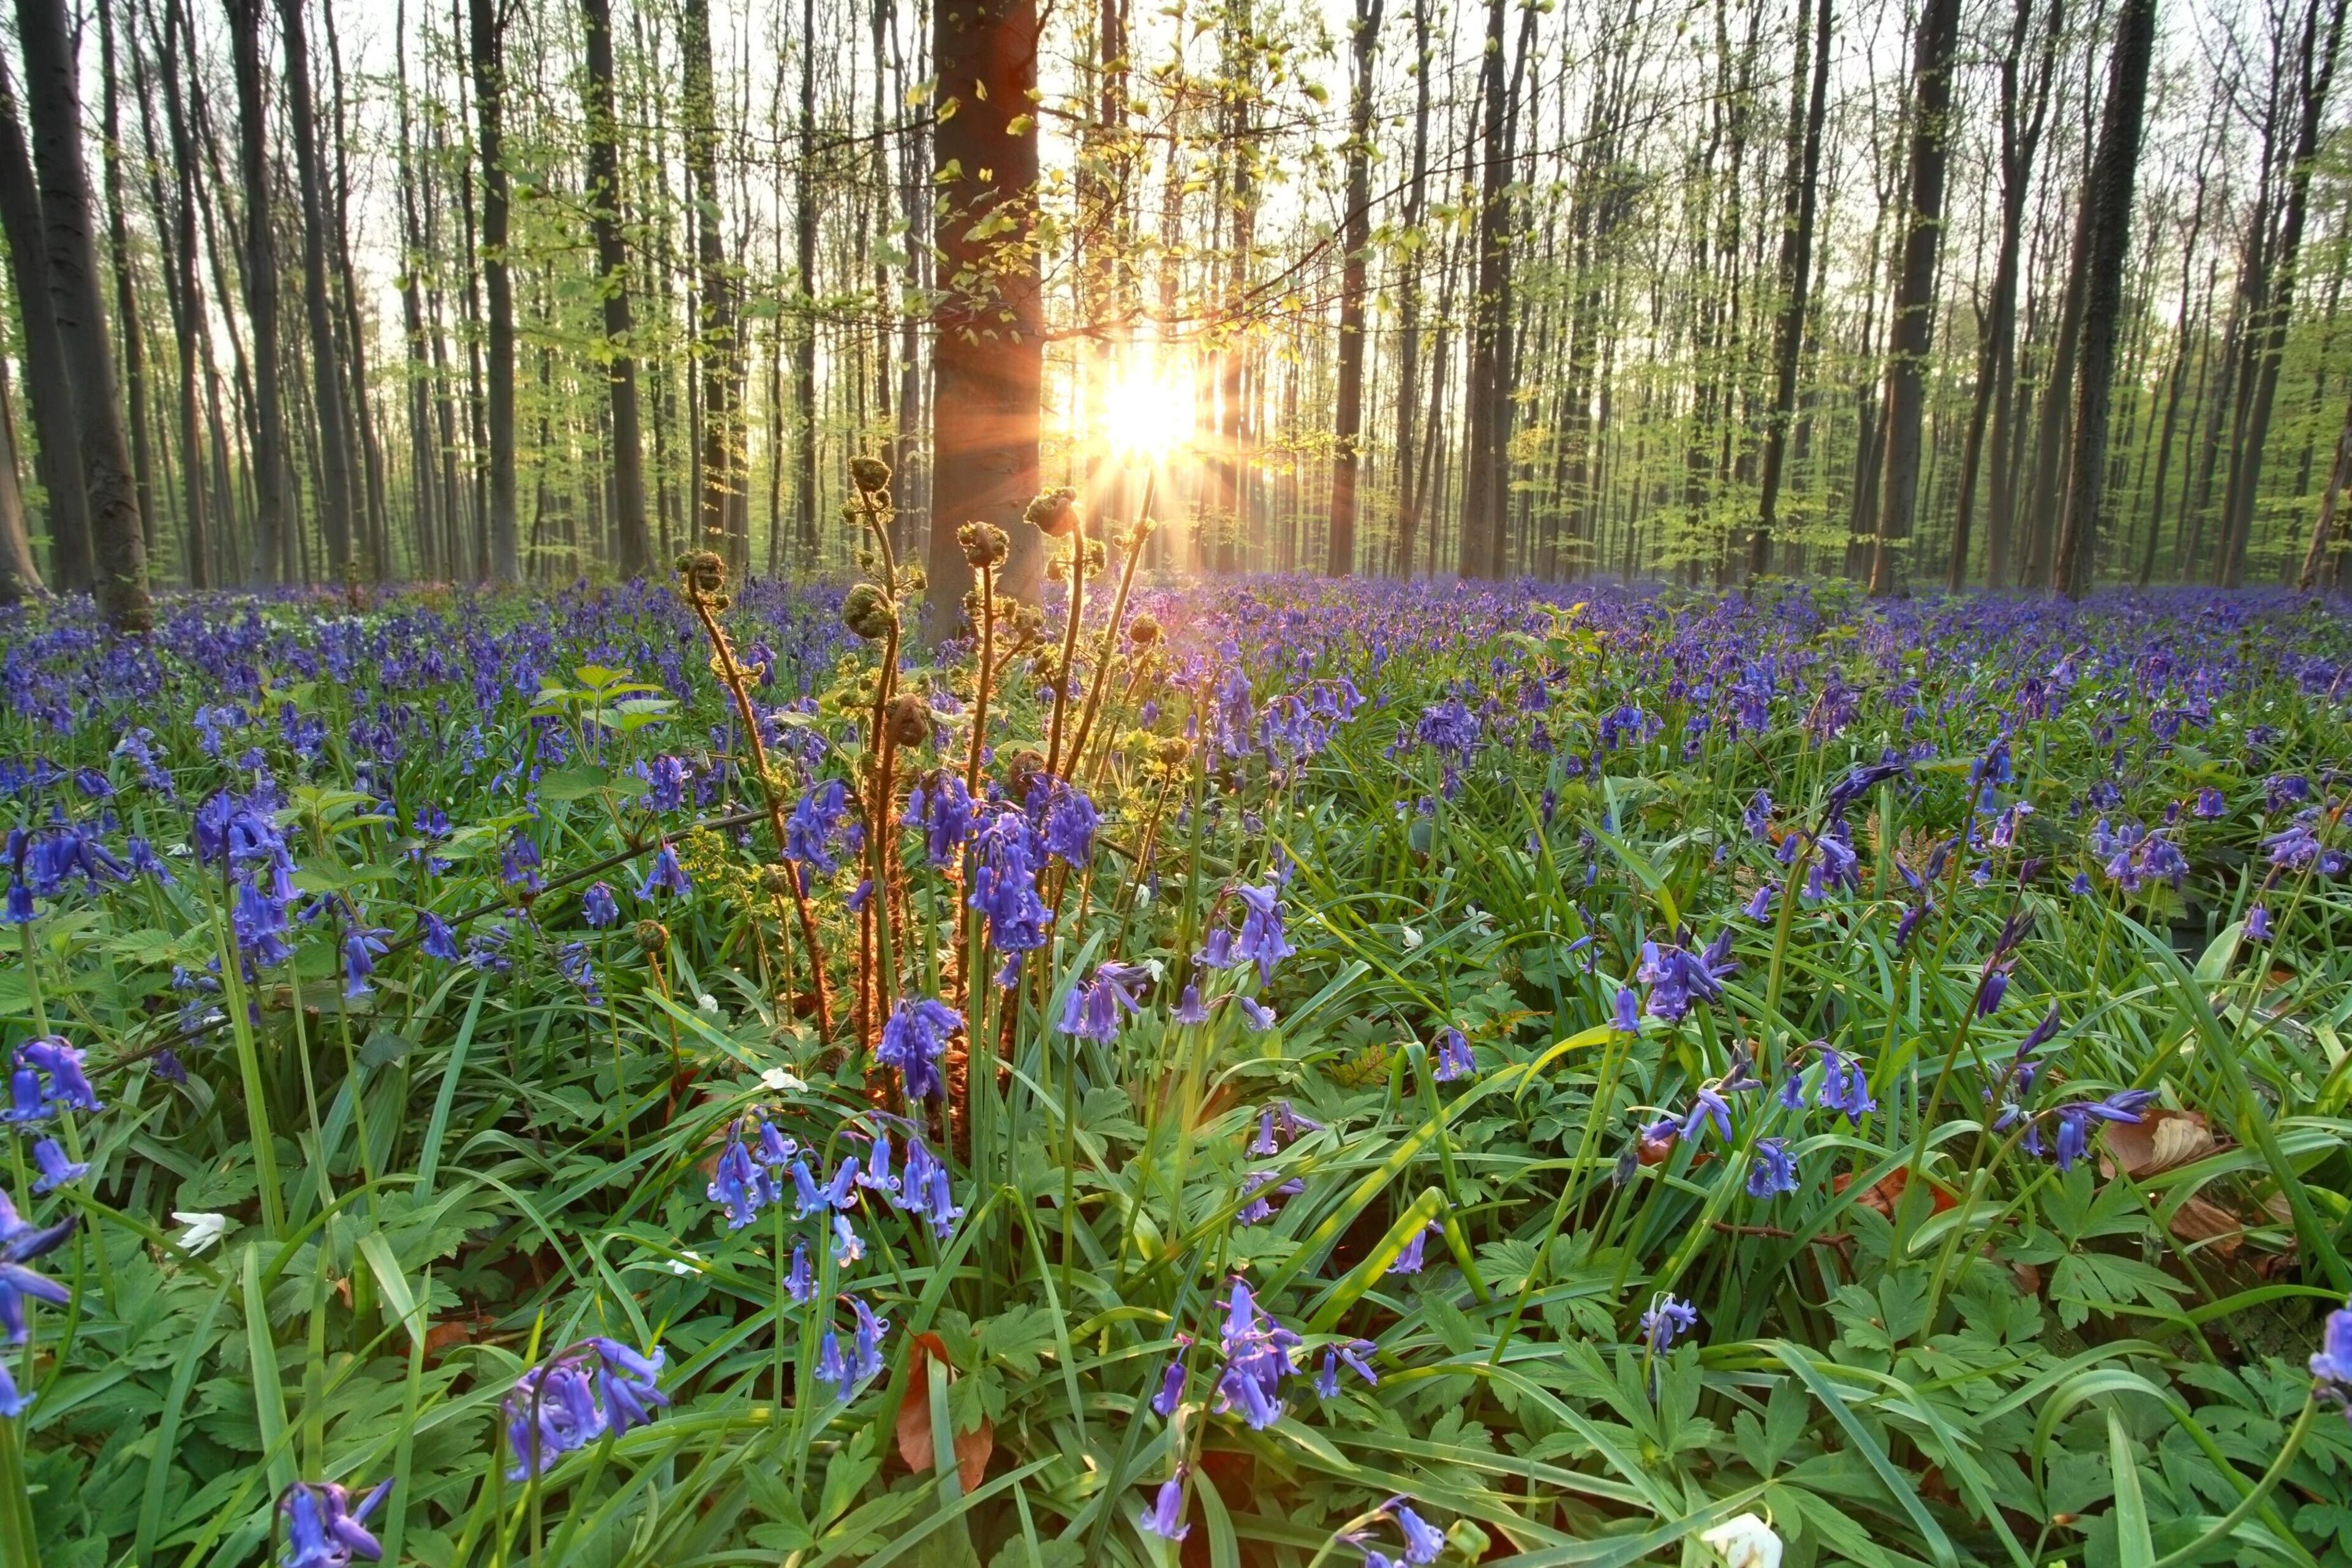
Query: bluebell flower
x,y
848,1246
2331,1363
1708,1108
1847,1088
944,810
1261,939
667,875
1995,986
68,1088
877,1175
1409,1261
143,860
1454,1059
1759,903
1770,1171
1667,1319
831,1368
666,778
1350,1356
363,945
1758,818
867,1355
800,1284
438,941
573,959
12,1402
1165,1517
915,1040
2076,1121
2211,803
1628,1019
627,1384
1069,823
1257,1359
1004,884
1171,1383
28,1099
1792,1092
1424,1542
519,868
738,1186
1255,1016
1188,1008
324,1529
56,1169
814,825
1092,1011
166,1066
2258,923
598,907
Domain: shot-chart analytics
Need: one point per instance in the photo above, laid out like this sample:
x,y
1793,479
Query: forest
x,y
985,783
2030,295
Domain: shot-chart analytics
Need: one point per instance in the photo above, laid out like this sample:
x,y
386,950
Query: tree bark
x,y
804,338
1798,203
53,98
20,579
715,350
58,443
1356,235
2107,208
1416,208
988,363
486,31
1913,330
333,493
1487,438
626,441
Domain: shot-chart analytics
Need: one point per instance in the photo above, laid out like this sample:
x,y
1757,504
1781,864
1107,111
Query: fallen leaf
x,y
2198,1220
971,1448
2158,1142
1883,1193
2028,1278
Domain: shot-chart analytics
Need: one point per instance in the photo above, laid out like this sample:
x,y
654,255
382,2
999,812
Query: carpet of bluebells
x,y
1270,1072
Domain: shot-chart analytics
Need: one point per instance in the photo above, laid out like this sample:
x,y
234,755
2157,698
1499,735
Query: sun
x,y
1147,408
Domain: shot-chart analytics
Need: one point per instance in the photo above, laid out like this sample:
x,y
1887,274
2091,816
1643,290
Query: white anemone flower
x,y
1745,1541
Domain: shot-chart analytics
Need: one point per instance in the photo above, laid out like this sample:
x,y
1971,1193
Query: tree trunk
x,y
988,363
612,283
1996,350
2266,335
1355,235
53,98
126,299
1913,330
1416,208
1486,442
50,388
2107,209
715,331
486,30
331,491
1799,201
805,339
2325,532
19,578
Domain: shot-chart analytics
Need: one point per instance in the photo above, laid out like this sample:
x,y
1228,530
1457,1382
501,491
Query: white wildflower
x,y
1745,1541
203,1230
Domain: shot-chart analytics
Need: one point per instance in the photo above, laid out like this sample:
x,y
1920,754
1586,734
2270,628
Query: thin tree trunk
x,y
486,30
49,386
617,350
1913,330
2107,208
1798,203
1356,235
331,489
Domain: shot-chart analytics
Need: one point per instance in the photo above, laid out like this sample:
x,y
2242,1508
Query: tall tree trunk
x,y
331,489
1355,235
805,341
1487,444
126,299
2266,335
19,578
1799,201
987,362
617,350
2327,533
53,100
486,35
1912,329
175,232
715,332
1416,208
2107,206
1997,348
49,385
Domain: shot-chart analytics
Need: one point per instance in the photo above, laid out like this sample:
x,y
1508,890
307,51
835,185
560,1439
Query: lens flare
x,y
1147,408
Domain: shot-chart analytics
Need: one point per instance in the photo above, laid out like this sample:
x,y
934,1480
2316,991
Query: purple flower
x,y
2258,923
738,1186
1667,1319
814,825
598,907
574,1398
1261,940
1759,904
2332,1363
1424,1542
2076,1121
943,809
667,778
68,1087
1069,822
1005,887
1758,818
1350,1356
1847,1088
667,875
56,1169
363,945
518,867
1770,1171
1092,1011
1409,1261
1629,1018
438,941
1189,1007
1171,1383
1165,1517
914,1040
1255,1016
323,1530
1454,1059
2210,805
